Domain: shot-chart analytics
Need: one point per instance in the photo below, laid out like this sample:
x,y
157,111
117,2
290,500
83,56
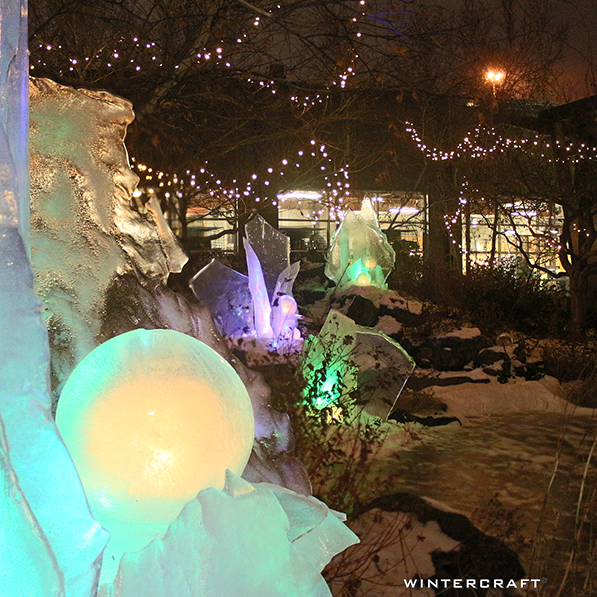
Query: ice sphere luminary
x,y
150,418
360,254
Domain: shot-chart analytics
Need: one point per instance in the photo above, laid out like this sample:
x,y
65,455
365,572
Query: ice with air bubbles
x,y
360,254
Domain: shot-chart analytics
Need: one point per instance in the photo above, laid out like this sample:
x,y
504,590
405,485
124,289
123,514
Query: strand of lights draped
x,y
334,188
483,142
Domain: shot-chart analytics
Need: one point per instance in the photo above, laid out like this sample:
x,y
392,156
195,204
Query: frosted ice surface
x,y
250,540
360,253
272,249
356,356
262,308
28,567
42,474
150,418
226,292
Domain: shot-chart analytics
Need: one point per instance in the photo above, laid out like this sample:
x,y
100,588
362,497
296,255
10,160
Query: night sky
x,y
575,69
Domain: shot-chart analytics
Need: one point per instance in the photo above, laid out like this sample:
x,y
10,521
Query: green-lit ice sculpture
x,y
360,254
345,357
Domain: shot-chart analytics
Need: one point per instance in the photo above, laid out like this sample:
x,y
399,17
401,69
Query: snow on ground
x,y
388,325
465,333
469,400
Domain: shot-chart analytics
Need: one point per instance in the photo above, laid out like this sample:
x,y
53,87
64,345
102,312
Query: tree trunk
x,y
579,289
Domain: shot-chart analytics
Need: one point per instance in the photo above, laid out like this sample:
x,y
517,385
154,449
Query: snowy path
x,y
511,457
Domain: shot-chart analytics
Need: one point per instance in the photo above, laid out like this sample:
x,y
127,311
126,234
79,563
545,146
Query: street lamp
x,y
495,77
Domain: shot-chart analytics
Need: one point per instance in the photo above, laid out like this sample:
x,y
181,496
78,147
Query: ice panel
x,y
14,81
226,292
272,249
346,355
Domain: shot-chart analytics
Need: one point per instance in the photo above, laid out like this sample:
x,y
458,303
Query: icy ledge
x,y
253,540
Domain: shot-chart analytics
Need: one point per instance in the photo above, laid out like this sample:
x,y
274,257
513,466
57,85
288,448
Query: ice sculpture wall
x,y
113,280
360,254
259,306
50,543
346,356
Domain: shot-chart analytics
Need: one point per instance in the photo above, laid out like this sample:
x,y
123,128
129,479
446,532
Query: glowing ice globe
x,y
150,418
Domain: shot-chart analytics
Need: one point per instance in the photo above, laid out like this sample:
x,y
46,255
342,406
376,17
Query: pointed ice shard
x,y
360,254
226,292
272,249
262,308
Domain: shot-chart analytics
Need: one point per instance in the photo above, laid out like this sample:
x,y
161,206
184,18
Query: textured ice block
x,y
360,254
86,230
250,540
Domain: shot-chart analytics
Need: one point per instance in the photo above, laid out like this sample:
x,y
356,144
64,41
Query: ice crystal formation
x,y
360,254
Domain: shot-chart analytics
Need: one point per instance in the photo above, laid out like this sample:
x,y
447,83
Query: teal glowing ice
x,y
252,540
52,525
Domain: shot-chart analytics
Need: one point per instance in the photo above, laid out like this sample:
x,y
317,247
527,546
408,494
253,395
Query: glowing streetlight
x,y
495,77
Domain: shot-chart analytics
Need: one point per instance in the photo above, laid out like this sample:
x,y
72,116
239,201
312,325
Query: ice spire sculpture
x,y
54,521
258,306
360,254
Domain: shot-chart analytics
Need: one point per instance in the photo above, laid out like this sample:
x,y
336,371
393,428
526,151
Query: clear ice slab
x,y
346,356
360,254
